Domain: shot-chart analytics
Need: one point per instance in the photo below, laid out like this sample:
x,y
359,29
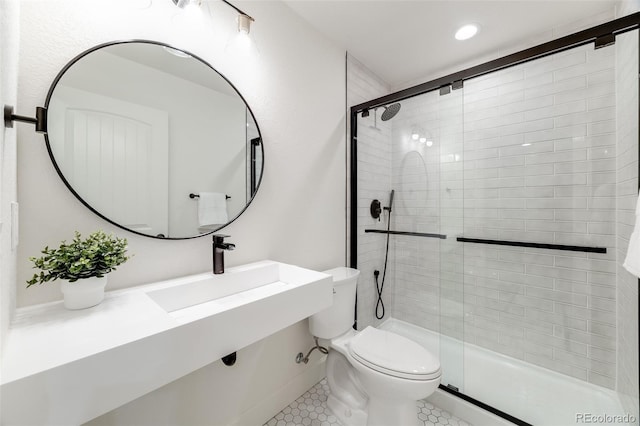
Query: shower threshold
x,y
530,393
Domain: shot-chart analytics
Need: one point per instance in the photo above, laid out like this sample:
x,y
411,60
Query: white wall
x,y
9,37
627,7
293,79
298,214
627,185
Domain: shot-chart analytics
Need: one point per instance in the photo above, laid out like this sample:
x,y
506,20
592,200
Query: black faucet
x,y
219,246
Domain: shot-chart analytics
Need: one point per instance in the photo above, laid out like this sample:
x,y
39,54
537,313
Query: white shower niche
x,y
68,367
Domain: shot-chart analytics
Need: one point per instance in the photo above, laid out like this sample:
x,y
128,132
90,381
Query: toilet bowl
x,y
375,377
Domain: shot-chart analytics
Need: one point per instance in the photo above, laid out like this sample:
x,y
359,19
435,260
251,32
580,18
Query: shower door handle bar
x,y
413,234
534,245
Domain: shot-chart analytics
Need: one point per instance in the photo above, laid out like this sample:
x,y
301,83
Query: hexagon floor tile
x,y
311,410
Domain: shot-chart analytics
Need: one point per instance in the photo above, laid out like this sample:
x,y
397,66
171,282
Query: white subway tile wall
x,y
561,136
524,154
427,177
627,185
374,182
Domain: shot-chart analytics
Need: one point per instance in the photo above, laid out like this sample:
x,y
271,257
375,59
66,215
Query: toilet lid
x,y
395,355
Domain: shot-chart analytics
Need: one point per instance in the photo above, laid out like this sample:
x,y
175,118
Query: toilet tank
x,y
339,317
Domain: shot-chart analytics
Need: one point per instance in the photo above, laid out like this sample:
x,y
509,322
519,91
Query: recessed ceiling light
x,y
466,32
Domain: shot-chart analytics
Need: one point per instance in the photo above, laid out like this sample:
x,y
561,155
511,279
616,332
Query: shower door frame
x,y
601,35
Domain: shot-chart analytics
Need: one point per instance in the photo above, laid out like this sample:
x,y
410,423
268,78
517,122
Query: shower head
x,y
390,111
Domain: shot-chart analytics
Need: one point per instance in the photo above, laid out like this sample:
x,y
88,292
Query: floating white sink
x,y
207,287
98,359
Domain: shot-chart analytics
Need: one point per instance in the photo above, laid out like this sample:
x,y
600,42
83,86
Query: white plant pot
x,y
83,293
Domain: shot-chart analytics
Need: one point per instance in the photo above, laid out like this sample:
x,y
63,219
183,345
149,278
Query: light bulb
x,y
244,24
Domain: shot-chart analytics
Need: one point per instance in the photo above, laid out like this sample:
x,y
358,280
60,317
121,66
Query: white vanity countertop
x,y
50,347
46,336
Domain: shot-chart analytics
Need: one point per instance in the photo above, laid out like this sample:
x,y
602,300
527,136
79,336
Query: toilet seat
x,y
394,355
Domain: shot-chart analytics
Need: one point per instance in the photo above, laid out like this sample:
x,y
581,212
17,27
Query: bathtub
x,y
531,393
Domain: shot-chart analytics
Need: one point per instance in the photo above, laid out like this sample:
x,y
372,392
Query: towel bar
x,y
192,195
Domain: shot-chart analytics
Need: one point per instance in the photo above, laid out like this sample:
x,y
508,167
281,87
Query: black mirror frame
x,y
86,204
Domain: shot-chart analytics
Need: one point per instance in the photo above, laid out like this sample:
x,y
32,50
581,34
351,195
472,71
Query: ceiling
x,y
186,68
412,41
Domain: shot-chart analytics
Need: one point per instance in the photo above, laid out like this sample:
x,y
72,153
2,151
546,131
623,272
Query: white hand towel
x,y
212,209
632,261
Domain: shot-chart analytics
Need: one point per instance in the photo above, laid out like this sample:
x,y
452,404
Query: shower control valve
x,y
375,209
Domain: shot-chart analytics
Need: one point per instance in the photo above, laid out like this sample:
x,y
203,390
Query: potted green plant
x,y
81,266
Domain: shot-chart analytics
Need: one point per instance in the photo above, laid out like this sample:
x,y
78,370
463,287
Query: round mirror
x,y
153,139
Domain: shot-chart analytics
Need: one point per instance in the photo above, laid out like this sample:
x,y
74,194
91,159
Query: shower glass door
x,y
427,176
450,138
540,185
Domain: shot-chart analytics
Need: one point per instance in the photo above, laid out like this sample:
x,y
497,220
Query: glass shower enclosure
x,y
514,194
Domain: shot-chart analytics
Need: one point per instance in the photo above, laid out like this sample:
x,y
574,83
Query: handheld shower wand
x,y
390,201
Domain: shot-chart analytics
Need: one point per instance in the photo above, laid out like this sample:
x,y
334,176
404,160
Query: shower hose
x,y
376,274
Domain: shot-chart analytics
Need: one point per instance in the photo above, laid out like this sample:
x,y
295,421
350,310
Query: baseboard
x,y
465,410
272,404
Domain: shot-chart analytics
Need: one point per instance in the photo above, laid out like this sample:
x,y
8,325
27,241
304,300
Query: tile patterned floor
x,y
311,410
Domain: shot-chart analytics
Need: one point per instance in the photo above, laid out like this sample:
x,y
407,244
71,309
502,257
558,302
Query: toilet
x,y
375,377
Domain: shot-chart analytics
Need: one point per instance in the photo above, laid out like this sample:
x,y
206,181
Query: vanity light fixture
x,y
422,136
244,23
244,19
466,32
416,132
